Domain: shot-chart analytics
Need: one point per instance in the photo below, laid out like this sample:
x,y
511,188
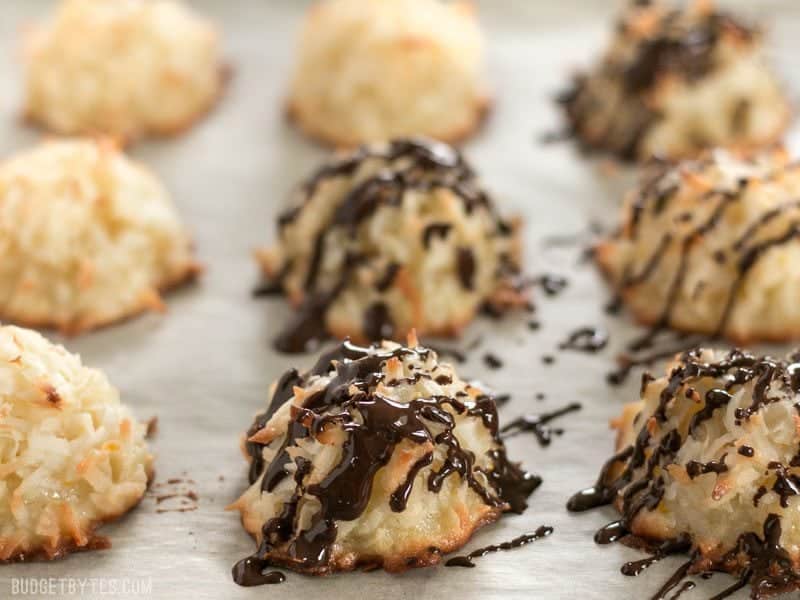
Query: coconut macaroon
x,y
72,456
708,462
391,237
126,68
712,246
87,237
377,457
676,81
371,70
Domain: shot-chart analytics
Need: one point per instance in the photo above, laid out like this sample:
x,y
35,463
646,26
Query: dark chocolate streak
x,y
465,260
431,165
630,479
517,542
374,425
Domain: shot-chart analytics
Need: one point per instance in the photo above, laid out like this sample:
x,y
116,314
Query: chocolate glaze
x,y
374,424
430,165
695,469
399,497
283,391
537,424
631,478
517,542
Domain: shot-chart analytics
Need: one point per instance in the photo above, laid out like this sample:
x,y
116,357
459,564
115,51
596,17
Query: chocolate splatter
x,y
586,339
538,424
492,361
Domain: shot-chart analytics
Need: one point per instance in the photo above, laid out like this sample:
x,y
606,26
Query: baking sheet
x,y
204,368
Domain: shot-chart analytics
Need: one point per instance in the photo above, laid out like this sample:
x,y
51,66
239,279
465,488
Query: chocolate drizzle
x,y
412,164
634,479
538,424
465,260
676,45
517,542
435,230
373,425
688,51
635,568
743,255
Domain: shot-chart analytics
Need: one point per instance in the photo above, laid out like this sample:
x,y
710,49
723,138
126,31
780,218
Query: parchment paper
x,y
204,368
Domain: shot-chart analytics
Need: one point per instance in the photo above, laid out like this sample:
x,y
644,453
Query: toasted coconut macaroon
x,y
87,237
712,246
376,457
708,462
372,70
676,81
392,237
72,456
126,68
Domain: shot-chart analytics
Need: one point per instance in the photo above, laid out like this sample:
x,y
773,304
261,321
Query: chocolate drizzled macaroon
x,y
373,70
126,68
87,237
72,456
712,246
675,81
376,457
708,462
391,237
